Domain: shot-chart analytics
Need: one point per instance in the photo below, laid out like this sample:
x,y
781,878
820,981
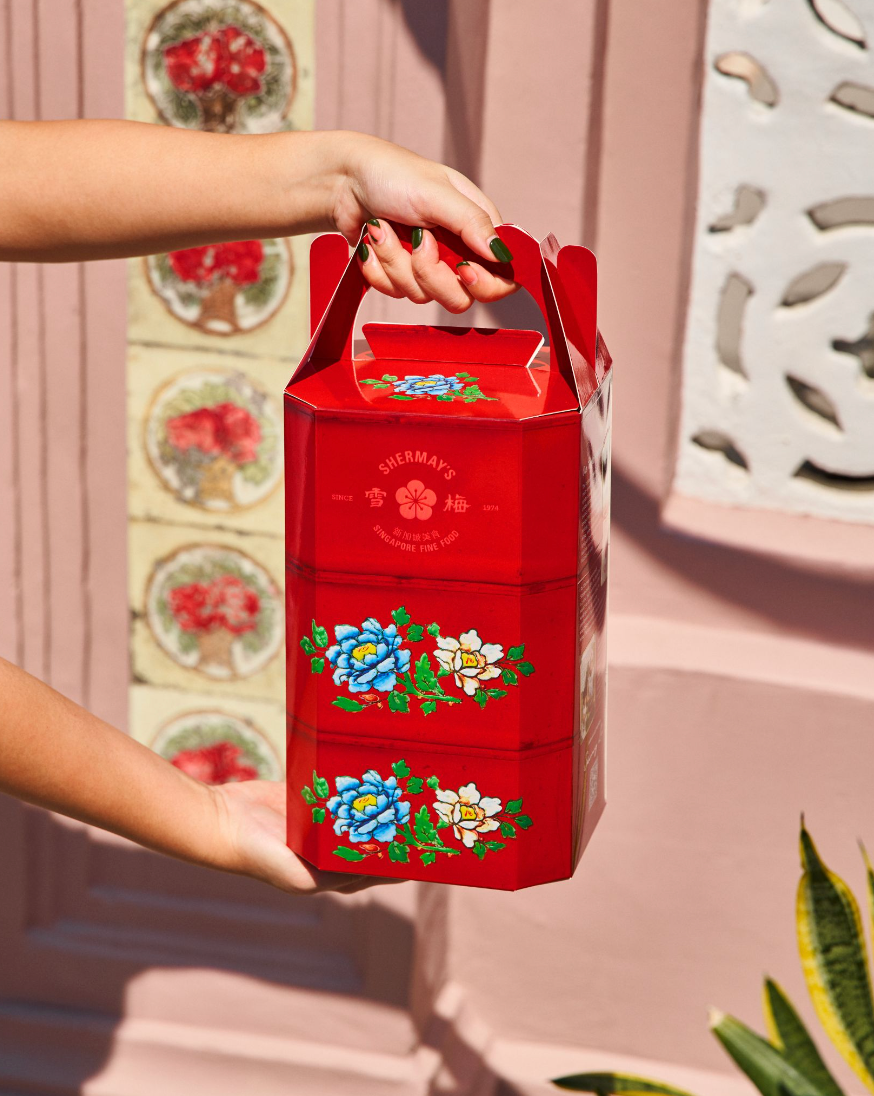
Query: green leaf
x,y
433,629
348,854
308,796
608,1084
398,396
462,374
318,814
523,821
415,632
388,377
763,1064
443,672
480,850
429,706
433,782
378,385
322,787
481,697
790,1036
835,961
446,398
424,827
510,677
515,653
470,381
317,665
514,806
307,645
496,694
507,829
369,380
525,668
348,704
320,635
401,769
443,824
415,785
425,679
401,617
400,854
429,857
495,846
398,702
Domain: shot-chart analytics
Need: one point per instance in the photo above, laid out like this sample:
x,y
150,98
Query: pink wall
x,y
741,674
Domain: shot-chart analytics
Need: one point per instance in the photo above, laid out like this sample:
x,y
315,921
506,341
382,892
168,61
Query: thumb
x,y
445,206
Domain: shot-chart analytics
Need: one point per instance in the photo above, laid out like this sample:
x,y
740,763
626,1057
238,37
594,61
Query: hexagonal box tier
x,y
447,516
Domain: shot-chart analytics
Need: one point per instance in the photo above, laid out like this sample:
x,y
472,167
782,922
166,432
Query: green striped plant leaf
x,y
835,961
615,1084
762,1063
789,1035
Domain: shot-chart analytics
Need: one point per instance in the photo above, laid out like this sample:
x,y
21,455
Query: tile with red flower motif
x,y
207,609
205,440
216,740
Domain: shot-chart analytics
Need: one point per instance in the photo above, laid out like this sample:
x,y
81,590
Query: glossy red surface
x,y
447,511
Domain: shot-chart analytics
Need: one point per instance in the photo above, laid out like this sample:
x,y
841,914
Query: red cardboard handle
x,y
333,310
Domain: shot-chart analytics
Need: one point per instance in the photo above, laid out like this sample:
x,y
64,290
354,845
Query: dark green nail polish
x,y
373,221
500,250
464,262
363,252
417,238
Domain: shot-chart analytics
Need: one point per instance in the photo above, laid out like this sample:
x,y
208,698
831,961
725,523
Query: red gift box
x,y
447,520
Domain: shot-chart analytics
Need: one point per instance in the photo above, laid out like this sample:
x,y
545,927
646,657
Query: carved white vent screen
x,y
778,369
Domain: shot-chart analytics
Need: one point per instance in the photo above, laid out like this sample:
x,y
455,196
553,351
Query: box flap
x,y
462,345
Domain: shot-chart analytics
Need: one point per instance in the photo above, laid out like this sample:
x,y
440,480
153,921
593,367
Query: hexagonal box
x,y
447,521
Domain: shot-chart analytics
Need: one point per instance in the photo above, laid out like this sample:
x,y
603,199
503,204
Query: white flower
x,y
471,660
469,813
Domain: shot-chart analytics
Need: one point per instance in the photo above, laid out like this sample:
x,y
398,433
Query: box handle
x,y
338,286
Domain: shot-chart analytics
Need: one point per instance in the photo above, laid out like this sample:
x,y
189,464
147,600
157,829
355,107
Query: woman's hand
x,y
381,182
251,833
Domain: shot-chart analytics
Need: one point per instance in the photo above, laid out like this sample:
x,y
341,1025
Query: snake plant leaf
x,y
614,1084
835,960
765,1066
788,1033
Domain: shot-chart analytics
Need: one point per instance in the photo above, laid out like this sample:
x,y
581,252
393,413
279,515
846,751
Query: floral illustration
x,y
416,500
215,610
369,809
460,386
372,661
217,748
433,385
369,657
224,66
374,816
213,439
223,289
470,814
472,661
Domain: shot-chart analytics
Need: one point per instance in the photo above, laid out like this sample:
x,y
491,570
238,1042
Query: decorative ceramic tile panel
x,y
212,334
778,369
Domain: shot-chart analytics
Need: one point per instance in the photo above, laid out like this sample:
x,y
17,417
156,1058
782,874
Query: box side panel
x,y
591,693
469,817
457,664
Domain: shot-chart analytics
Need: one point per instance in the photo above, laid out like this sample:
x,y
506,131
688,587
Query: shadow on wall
x,y
82,920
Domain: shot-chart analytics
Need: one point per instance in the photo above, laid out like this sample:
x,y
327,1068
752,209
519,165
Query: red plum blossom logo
x,y
416,500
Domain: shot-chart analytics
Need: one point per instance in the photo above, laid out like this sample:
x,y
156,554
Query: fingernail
x,y
500,250
466,272
418,236
363,252
377,232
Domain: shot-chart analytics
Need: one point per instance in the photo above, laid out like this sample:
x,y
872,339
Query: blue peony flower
x,y
368,658
369,809
434,385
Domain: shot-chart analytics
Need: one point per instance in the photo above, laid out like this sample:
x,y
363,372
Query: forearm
x,y
72,191
55,754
